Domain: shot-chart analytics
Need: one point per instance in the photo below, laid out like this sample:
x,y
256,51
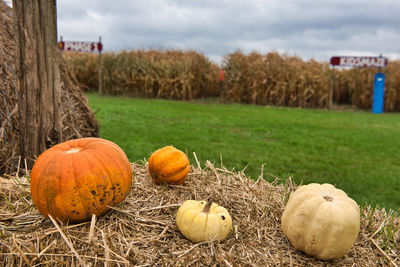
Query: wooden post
x,y
38,76
99,70
332,87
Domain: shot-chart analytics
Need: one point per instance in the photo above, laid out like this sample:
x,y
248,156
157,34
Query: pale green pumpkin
x,y
201,221
321,221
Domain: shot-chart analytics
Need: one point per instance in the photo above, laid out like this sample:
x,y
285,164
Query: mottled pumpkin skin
x,y
199,226
321,221
169,165
78,178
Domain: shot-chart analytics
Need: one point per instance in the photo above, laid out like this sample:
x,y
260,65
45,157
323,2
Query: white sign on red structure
x,y
80,46
359,61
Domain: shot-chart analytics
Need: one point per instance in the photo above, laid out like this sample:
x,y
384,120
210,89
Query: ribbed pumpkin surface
x,y
169,165
321,221
78,178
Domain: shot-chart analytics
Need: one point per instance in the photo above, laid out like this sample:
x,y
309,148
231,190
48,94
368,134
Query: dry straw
x,y
142,230
77,118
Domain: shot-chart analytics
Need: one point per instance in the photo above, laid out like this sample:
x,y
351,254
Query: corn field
x,y
155,74
270,79
355,87
273,79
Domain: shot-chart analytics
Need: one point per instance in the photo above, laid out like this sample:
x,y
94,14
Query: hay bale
x,y
142,230
77,118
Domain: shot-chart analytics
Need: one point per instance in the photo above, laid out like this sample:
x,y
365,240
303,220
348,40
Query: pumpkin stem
x,y
207,207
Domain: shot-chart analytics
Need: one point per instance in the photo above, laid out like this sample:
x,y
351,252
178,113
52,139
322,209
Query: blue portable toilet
x,y
378,93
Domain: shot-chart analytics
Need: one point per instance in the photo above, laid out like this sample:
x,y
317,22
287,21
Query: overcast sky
x,y
315,29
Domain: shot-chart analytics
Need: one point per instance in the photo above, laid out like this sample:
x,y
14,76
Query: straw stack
x,y
77,118
142,230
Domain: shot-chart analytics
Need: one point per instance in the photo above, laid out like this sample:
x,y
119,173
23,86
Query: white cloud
x,y
306,28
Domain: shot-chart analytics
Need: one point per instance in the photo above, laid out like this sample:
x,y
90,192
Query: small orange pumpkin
x,y
169,165
78,178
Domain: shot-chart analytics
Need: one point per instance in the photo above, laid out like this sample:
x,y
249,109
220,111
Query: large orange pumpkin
x,y
78,178
169,165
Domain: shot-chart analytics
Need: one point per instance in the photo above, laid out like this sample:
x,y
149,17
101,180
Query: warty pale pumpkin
x,y
78,178
169,165
201,221
321,220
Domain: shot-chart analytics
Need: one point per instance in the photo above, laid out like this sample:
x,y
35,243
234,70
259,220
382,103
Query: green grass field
x,y
356,150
